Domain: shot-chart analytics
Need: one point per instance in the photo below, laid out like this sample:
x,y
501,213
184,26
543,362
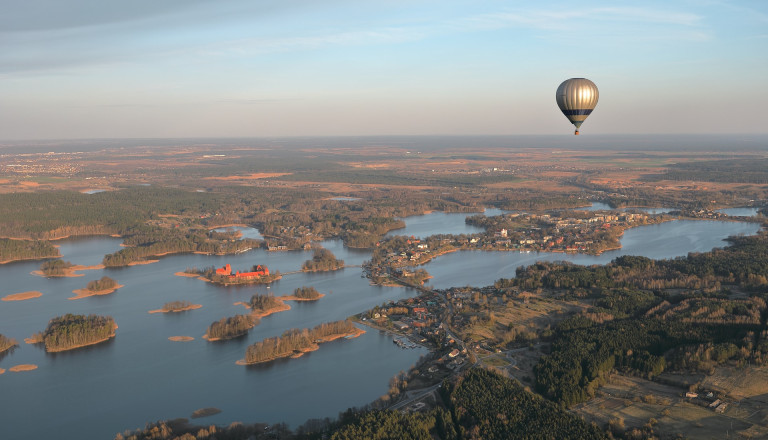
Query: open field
x,y
637,401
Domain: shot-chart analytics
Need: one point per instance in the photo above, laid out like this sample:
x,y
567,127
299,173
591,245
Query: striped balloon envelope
x,y
577,97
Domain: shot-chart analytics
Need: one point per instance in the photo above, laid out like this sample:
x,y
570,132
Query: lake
x,y
141,376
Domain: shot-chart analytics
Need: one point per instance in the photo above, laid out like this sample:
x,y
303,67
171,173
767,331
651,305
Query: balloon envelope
x,y
577,97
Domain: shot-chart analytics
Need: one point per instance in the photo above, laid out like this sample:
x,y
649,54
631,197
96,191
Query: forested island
x,y
296,342
305,293
264,305
74,331
103,286
229,328
56,268
176,307
323,260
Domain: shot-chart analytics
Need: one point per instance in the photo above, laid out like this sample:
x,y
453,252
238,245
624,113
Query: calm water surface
x,y
141,376
740,212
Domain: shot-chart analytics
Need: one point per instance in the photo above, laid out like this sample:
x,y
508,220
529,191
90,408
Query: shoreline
x,y
23,296
181,338
190,307
315,346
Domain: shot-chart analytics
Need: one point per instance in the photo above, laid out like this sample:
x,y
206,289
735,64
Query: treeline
x,y
55,268
109,212
72,331
730,171
305,292
7,345
583,352
232,327
11,250
296,341
744,262
322,260
487,406
159,241
105,283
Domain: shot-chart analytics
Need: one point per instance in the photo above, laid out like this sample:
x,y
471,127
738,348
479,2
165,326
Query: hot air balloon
x,y
577,97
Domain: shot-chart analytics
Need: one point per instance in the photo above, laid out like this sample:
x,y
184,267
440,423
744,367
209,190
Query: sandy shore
x,y
188,275
191,307
181,338
2,371
23,367
311,348
85,293
22,296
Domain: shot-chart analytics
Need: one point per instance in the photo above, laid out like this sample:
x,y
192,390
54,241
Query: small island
x,y
323,260
229,328
303,293
74,331
176,307
265,305
295,342
181,338
23,367
22,296
224,276
56,268
60,268
103,286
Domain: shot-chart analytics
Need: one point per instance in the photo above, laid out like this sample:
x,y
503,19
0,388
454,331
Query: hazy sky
x,y
188,68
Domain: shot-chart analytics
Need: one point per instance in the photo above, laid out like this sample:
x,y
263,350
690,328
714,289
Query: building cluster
x,y
707,399
257,272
